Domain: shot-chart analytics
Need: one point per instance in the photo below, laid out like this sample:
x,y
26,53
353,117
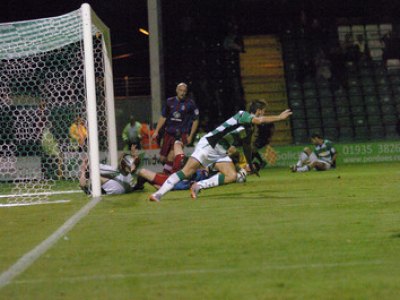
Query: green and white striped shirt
x,y
325,151
234,130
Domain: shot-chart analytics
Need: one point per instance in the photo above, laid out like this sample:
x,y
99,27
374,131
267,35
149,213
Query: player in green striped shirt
x,y
322,158
213,148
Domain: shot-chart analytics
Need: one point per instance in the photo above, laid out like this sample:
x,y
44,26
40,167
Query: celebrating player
x,y
321,159
213,148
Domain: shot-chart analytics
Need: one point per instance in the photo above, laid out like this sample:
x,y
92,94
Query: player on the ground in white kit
x,y
322,158
213,148
113,181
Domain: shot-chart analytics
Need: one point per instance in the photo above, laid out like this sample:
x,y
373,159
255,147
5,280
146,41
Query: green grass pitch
x,y
315,235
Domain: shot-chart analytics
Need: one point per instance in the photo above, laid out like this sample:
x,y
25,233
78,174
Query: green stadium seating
x,y
361,133
357,110
372,110
374,121
331,133
377,132
346,133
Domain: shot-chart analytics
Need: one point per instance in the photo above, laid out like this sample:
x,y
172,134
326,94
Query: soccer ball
x,y
241,175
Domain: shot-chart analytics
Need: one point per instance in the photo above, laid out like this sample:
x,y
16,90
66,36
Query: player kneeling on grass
x,y
322,158
113,181
212,148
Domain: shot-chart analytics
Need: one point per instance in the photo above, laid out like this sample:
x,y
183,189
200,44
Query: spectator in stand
x,y
391,45
351,50
131,134
180,116
147,140
338,67
78,133
323,66
362,46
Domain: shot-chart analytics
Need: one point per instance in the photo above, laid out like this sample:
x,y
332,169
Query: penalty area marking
x,y
34,203
29,258
110,277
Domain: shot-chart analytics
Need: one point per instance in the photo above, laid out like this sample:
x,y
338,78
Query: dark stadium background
x,y
209,21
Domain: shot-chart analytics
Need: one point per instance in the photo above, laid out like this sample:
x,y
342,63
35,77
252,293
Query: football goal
x,y
56,106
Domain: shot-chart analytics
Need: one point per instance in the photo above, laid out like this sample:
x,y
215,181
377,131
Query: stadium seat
x,y
374,121
328,111
389,120
326,102
313,112
299,123
353,82
309,84
366,71
394,80
310,93
391,132
351,67
354,91
385,99
371,100
368,90
346,134
299,114
384,90
360,121
341,92
295,93
356,100
300,136
357,110
361,133
372,110
396,89
323,83
331,133
388,109
296,104
342,101
398,108
311,102
325,92
329,122
367,80
381,79
342,111
377,132
314,122
345,122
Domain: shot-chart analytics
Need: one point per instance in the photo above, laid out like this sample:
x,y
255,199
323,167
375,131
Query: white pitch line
x,y
200,271
29,258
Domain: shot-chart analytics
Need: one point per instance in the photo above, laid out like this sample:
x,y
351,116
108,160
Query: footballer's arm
x,y
270,119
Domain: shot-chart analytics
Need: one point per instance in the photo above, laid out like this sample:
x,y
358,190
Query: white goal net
x,y
54,73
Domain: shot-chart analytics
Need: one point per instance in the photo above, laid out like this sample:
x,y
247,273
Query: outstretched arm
x,y
270,119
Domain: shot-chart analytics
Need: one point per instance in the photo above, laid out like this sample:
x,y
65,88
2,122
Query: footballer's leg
x,y
227,175
302,164
187,171
144,176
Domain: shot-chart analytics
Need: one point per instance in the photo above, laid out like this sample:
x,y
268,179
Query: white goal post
x,y
54,73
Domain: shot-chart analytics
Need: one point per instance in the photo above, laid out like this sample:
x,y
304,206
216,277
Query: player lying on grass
x,y
113,181
322,158
158,179
212,148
